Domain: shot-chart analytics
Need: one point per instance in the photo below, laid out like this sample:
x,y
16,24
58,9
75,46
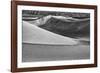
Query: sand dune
x,y
36,35
66,26
44,19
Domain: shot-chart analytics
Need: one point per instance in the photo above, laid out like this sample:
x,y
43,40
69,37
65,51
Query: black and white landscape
x,y
51,36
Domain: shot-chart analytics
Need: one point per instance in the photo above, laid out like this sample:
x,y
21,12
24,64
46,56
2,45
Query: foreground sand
x,y
35,52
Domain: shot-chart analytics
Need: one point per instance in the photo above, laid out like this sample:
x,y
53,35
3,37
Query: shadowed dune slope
x,y
66,26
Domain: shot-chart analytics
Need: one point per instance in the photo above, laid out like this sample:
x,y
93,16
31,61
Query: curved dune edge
x,y
35,35
43,20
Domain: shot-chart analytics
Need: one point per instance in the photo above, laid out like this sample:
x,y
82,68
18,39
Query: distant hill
x,y
34,13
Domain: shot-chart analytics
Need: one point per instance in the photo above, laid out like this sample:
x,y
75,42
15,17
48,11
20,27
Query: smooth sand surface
x,y
42,45
35,35
33,52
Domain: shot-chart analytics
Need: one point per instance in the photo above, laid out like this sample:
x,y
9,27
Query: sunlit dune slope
x,y
36,35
